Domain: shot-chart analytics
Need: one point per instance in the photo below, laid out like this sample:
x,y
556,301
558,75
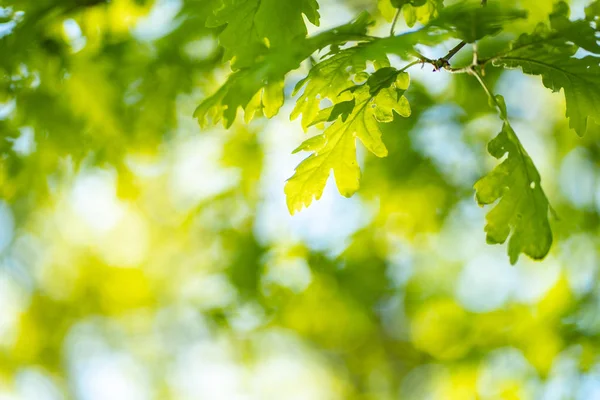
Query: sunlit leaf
x,y
335,149
342,69
245,87
329,79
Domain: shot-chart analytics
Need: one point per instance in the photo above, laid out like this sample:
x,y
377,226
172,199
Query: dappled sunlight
x,y
145,257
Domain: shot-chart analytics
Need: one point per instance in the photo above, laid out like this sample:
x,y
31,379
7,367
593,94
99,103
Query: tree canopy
x,y
370,199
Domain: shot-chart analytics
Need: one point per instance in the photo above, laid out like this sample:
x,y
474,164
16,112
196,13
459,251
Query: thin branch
x,y
407,66
454,50
422,57
444,62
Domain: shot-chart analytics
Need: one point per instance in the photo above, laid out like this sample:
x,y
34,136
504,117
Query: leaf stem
x,y
394,22
473,71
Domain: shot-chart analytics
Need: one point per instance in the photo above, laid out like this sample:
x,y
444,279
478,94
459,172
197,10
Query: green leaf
x,y
380,79
549,53
592,12
335,149
387,9
253,26
579,32
402,80
343,109
267,101
471,22
522,211
342,69
330,79
579,78
258,87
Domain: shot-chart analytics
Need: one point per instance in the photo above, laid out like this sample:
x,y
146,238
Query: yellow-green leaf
x,y
335,149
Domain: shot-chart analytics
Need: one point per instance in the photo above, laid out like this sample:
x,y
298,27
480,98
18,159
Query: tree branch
x,y
454,50
444,62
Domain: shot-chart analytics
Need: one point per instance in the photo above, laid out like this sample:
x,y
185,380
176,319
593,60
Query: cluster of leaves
x,y
363,97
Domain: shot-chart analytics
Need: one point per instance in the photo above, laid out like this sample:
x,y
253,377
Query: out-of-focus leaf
x,y
592,11
471,22
387,9
421,11
580,32
413,10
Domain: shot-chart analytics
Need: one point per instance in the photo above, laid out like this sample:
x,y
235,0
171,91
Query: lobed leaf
x,y
579,78
335,149
343,69
550,53
338,71
522,211
329,80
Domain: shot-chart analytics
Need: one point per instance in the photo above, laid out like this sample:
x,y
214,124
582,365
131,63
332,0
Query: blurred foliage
x,y
143,257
